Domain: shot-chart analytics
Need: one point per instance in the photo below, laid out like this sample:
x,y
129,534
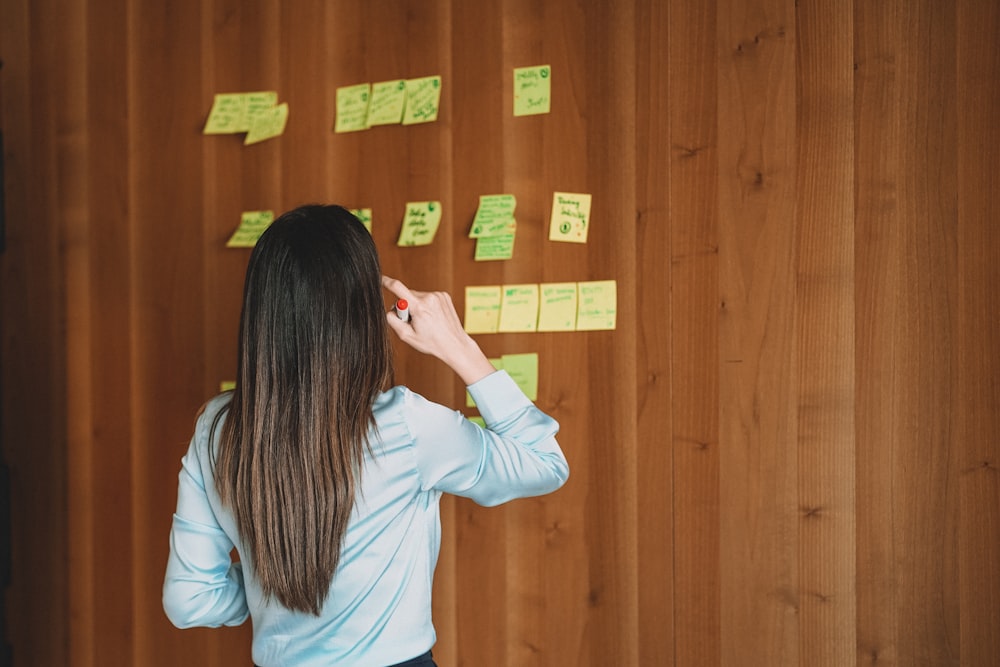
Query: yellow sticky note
x,y
497,364
570,217
532,90
557,308
387,102
597,307
478,421
482,309
492,248
420,223
267,123
352,107
423,97
519,308
523,370
494,216
227,385
228,114
365,216
252,225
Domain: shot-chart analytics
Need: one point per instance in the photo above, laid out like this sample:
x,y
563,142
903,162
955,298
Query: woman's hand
x,y
434,329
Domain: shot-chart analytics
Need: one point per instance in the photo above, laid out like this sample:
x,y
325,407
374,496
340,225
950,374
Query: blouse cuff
x,y
497,396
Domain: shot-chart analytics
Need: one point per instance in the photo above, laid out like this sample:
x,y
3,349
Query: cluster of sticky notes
x,y
420,223
572,306
570,218
494,226
252,225
532,90
523,370
258,114
407,101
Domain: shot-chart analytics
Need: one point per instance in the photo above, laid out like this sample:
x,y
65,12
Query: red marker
x,y
402,310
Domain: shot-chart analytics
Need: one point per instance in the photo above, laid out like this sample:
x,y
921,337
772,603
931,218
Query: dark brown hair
x,y
314,353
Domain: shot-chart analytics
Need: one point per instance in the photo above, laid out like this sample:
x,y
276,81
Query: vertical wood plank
x,y
693,247
975,403
759,375
877,169
824,206
658,318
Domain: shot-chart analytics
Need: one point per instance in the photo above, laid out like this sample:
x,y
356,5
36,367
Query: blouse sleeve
x,y
203,586
516,456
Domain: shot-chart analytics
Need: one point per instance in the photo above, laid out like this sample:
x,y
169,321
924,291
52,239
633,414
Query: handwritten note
x,y
365,216
352,108
597,307
267,123
252,225
387,102
420,223
532,90
570,217
492,248
233,113
423,96
557,309
494,216
482,309
519,308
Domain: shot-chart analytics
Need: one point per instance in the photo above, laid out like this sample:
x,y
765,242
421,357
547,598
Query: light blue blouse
x,y
378,610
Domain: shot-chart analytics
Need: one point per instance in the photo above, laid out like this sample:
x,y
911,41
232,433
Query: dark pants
x,y
425,660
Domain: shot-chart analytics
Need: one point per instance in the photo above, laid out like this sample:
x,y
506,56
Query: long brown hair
x,y
314,353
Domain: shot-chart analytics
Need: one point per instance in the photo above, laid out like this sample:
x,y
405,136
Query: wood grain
x,y
786,452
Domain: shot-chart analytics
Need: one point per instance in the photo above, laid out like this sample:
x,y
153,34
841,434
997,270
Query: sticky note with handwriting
x,y
492,248
557,308
532,90
352,107
227,115
365,216
420,223
519,308
597,305
482,309
523,370
494,216
387,102
423,97
252,225
267,123
570,217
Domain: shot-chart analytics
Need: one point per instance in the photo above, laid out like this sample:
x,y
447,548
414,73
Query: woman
x,y
324,479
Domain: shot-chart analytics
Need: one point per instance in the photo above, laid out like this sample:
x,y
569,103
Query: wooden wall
x,y
787,453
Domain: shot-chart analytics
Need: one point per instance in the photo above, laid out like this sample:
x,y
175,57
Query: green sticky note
x,y
597,306
570,217
252,225
352,108
267,123
491,248
478,421
387,102
228,114
227,385
557,308
420,223
365,216
423,97
532,90
497,364
495,216
523,370
482,309
519,308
